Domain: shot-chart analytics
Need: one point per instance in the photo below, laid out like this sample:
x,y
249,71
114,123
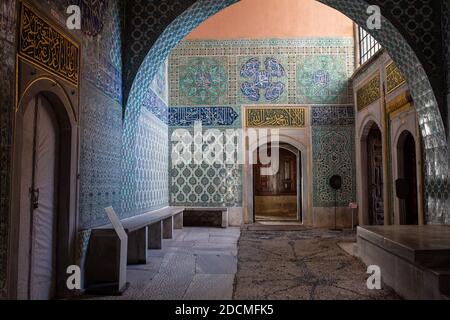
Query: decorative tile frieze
x,y
332,115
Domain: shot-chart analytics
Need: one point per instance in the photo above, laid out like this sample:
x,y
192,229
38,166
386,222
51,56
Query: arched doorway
x,y
406,183
431,123
44,198
375,183
39,200
277,196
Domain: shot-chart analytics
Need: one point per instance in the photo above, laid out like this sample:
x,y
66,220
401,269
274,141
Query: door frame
x,y
363,177
298,177
66,214
303,181
397,148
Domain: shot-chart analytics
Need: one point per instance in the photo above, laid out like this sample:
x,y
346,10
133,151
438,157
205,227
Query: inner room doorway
x,y
277,197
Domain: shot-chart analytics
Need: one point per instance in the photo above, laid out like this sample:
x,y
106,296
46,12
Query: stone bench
x,y
146,231
108,255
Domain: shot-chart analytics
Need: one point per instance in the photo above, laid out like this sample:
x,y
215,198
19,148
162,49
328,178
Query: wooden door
x,y
276,196
38,201
375,177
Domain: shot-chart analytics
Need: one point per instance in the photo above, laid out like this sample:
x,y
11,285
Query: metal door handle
x,y
35,198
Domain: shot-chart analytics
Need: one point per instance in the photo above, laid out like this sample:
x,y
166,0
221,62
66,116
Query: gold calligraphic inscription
x,y
399,102
369,93
276,117
44,45
394,77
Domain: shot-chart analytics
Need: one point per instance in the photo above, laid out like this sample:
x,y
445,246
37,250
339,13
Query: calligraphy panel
x,y
43,44
394,77
369,93
276,117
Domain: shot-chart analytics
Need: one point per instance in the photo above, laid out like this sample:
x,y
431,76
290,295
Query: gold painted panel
x,y
394,77
399,102
291,117
43,44
369,93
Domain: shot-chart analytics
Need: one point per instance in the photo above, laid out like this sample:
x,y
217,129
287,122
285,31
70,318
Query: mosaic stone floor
x,y
301,265
205,263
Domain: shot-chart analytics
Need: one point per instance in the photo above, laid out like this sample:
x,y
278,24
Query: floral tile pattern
x,y
333,153
323,79
262,80
203,81
206,72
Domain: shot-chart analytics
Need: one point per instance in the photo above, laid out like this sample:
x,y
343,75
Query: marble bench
x,y
146,231
108,255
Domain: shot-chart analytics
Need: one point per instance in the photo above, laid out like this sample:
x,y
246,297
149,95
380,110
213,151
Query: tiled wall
x,y
216,75
101,113
145,160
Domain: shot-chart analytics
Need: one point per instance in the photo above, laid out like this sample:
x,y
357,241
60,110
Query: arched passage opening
x,y
431,124
406,184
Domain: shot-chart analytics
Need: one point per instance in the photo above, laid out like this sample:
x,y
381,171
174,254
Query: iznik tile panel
x,y
304,71
262,80
323,79
333,153
203,80
205,184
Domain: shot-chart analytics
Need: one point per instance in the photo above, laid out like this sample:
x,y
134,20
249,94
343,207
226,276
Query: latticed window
x,y
368,46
